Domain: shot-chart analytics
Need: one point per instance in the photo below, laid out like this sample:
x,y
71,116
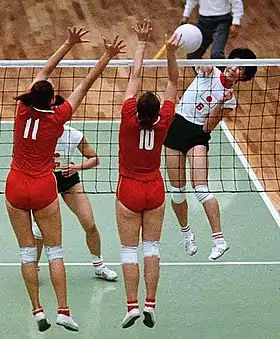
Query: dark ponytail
x,y
148,106
40,95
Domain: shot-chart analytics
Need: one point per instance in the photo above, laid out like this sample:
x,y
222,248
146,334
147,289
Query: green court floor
x,y
236,297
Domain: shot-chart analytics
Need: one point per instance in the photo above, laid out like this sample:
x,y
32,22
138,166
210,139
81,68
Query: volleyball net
x,y
244,149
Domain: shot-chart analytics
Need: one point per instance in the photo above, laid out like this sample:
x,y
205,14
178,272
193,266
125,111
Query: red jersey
x,y
35,137
140,150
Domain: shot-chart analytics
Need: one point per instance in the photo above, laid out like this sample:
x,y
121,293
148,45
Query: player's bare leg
x,y
151,232
77,200
49,222
199,176
129,224
176,170
21,223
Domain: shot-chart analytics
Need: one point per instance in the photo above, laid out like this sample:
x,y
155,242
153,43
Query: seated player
x,y
73,194
140,202
206,101
38,126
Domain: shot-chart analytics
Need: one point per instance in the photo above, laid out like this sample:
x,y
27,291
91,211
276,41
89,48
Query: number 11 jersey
x,y
35,137
140,150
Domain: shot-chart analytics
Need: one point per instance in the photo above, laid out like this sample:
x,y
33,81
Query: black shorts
x,y
183,135
65,183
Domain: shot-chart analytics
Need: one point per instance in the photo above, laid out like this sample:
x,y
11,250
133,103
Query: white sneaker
x,y
67,322
219,247
106,273
149,316
190,244
42,322
131,317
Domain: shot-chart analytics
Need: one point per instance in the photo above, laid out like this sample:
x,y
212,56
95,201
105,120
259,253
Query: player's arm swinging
x,y
88,152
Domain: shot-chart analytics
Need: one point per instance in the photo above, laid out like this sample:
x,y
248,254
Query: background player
x,y
203,105
38,125
140,202
73,194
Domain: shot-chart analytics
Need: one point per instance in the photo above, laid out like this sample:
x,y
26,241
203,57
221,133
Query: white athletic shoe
x,y
106,273
131,317
149,316
67,322
219,247
42,322
190,244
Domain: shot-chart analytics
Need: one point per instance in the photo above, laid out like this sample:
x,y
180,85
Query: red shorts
x,y
138,196
26,193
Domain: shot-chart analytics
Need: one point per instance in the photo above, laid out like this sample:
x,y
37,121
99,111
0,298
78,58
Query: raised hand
x,y
75,36
115,47
173,43
143,30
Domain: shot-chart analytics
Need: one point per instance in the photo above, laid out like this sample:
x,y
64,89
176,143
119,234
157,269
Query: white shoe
x,y
149,316
218,249
67,322
42,322
190,244
131,317
106,273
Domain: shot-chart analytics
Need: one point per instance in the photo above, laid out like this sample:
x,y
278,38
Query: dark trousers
x,y
215,31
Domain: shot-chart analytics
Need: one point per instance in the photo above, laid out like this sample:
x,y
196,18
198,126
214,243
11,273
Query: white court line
x,y
272,209
169,264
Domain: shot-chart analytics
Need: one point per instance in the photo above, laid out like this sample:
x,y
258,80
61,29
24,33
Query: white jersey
x,y
66,146
201,97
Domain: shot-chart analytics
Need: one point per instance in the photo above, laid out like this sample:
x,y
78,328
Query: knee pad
x,y
54,252
178,194
28,254
202,193
129,254
36,231
151,248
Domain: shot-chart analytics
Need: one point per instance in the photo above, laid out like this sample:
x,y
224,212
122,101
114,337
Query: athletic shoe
x,y
149,316
42,322
67,322
219,247
106,273
131,317
190,244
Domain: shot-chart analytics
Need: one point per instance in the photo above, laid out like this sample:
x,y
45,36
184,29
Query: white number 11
x,y
34,131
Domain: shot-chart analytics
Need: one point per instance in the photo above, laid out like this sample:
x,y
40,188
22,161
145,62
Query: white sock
x,y
186,231
97,262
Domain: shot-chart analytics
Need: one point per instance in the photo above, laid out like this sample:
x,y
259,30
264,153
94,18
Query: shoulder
x,y
129,104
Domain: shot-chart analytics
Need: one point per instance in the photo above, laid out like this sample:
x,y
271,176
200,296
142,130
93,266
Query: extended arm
x,y
189,7
237,12
112,49
74,37
143,31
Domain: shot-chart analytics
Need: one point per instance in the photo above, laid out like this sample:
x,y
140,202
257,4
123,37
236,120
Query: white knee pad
x,y
28,254
54,252
202,193
178,194
36,231
129,254
151,248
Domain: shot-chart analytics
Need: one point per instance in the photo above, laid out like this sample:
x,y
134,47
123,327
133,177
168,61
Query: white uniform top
x,y
201,96
66,145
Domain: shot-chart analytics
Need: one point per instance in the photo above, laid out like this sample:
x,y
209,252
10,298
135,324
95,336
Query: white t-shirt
x,y
201,96
66,146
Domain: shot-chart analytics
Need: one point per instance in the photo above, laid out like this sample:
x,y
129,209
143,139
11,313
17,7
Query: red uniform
x,y
140,183
30,183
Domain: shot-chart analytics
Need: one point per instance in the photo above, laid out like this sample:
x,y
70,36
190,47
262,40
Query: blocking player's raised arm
x,y
143,31
74,37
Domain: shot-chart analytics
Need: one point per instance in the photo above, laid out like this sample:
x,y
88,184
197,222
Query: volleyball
x,y
191,37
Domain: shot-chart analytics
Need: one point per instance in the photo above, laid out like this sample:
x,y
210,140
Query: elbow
x,y
97,161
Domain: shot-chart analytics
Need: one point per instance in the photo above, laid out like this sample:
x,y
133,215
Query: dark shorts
x,y
65,183
183,135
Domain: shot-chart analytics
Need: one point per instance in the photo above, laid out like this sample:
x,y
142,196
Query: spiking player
x,y
31,185
203,105
73,194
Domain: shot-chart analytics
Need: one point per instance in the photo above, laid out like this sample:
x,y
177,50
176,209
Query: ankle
x,y
217,236
64,310
131,304
38,310
150,302
186,231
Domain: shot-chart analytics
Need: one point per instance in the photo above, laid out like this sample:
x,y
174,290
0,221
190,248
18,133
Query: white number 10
x,y
147,139
34,131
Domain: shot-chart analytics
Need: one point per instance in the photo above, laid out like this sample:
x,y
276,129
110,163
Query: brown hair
x,y
148,106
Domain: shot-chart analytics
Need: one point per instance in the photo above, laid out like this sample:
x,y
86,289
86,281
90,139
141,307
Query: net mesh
x,y
244,149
